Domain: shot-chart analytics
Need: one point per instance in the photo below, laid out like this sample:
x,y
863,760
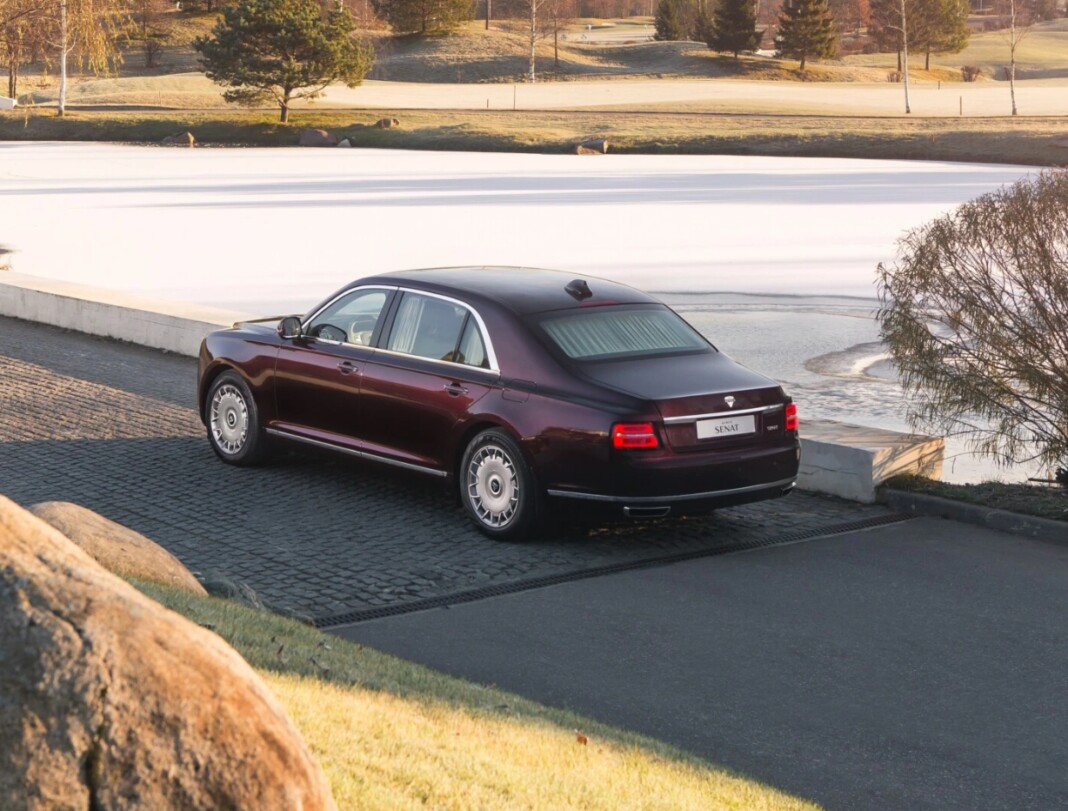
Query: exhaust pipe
x,y
646,512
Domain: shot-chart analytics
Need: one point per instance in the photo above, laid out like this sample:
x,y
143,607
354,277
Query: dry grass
x,y
1040,500
393,735
1042,53
385,752
473,54
1034,141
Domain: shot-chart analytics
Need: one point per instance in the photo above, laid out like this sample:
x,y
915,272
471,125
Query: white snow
x,y
275,230
269,229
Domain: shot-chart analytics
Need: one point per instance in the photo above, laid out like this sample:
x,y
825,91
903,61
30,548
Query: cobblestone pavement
x,y
113,427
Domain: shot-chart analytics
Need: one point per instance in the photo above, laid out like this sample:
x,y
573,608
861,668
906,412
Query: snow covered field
x,y
774,258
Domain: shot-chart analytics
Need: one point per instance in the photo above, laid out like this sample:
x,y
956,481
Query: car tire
x,y
234,429
498,488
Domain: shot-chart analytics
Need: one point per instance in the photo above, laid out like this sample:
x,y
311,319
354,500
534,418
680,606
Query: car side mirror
x,y
290,327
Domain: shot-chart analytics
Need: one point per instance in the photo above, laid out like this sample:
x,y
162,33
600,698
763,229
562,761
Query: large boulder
x,y
115,547
180,139
109,701
317,138
595,146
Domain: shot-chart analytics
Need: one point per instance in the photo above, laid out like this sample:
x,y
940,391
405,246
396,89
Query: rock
x,y
317,138
180,139
387,123
115,547
109,701
344,143
597,146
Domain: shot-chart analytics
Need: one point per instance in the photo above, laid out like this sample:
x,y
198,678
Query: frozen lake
x,y
773,258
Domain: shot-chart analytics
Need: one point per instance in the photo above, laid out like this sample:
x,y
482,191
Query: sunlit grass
x,y
394,735
1020,140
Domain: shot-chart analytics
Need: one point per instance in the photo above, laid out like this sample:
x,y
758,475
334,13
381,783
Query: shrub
x,y
894,76
975,315
971,72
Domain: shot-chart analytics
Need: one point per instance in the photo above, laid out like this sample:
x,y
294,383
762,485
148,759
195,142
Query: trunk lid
x,y
685,387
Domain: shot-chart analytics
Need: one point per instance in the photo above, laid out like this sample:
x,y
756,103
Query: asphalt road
x,y
918,665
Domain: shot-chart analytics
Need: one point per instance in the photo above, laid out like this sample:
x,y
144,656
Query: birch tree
x,y
87,32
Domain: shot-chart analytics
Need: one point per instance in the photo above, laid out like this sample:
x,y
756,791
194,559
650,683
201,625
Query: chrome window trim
x,y
490,353
717,414
494,373
373,457
639,500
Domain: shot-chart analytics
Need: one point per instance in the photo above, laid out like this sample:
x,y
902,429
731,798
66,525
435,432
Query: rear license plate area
x,y
723,427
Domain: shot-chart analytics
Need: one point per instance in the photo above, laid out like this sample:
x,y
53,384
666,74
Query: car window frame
x,y
384,316
382,340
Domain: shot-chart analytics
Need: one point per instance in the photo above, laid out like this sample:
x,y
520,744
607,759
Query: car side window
x,y
427,327
472,348
351,319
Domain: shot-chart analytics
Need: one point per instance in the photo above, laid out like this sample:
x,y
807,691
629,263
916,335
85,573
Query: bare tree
x,y
1021,20
531,9
23,33
154,25
975,315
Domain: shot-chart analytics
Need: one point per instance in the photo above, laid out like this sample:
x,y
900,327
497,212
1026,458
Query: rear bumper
x,y
783,486
653,486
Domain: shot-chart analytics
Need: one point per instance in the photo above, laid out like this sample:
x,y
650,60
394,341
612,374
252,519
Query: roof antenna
x,y
579,289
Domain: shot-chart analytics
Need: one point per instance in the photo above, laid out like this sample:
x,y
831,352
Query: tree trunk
x,y
905,57
12,79
284,106
802,63
899,60
533,39
62,57
1012,56
489,12
927,61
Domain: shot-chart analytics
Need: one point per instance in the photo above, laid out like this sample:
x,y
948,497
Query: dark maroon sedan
x,y
517,387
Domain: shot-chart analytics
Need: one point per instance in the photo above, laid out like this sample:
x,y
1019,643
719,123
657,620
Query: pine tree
x,y
668,22
282,50
806,29
949,31
423,17
734,27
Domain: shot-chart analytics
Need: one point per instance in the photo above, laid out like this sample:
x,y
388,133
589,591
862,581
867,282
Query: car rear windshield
x,y
605,333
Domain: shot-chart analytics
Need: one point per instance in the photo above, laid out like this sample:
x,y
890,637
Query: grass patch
x,y
1041,501
391,734
1030,141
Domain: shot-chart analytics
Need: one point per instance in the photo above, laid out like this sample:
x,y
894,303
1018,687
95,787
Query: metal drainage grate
x,y
455,598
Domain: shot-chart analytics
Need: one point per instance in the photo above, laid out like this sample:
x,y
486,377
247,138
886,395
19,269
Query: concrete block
x,y
850,461
172,326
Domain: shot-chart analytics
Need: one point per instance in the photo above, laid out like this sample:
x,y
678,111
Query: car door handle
x,y
455,389
347,367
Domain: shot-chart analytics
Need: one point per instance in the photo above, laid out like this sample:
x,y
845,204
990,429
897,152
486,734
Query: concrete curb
x,y
171,326
1025,526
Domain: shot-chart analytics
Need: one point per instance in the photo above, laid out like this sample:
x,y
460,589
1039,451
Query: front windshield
x,y
604,333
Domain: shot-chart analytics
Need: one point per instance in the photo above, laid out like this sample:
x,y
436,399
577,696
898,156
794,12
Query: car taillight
x,y
791,417
630,435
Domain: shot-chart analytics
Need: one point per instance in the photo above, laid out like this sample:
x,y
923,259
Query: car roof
x,y
522,290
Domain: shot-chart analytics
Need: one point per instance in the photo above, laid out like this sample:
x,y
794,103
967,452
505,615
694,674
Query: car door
x,y
431,367
317,376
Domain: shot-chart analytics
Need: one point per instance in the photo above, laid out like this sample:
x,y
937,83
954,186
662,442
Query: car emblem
x,y
729,401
